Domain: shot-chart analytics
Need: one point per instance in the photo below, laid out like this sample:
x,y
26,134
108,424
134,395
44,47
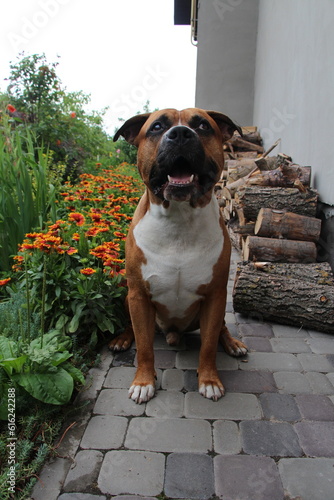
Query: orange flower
x,y
73,114
5,281
71,251
88,271
11,108
77,217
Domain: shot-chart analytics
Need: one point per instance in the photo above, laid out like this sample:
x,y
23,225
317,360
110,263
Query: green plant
x,y
41,367
27,195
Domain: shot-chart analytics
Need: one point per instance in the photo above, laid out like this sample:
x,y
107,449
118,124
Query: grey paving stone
x,y
166,404
258,344
132,472
293,346
226,437
289,331
188,360
269,439
190,380
271,361
81,496
315,362
233,406
51,479
316,438
279,407
189,476
242,477
172,380
132,497
169,435
330,376
292,383
320,383
322,346
104,432
314,334
248,381
255,330
230,318
84,471
315,407
124,358
117,402
163,359
308,478
119,377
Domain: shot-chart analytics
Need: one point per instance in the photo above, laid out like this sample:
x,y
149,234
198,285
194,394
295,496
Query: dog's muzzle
x,y
182,171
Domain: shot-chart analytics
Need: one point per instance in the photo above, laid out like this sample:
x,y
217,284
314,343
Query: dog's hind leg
x,y
122,341
232,346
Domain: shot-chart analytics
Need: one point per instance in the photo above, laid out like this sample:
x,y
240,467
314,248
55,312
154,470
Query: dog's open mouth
x,y
181,181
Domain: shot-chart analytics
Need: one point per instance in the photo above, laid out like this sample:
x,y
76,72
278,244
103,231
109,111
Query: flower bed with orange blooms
x,y
79,259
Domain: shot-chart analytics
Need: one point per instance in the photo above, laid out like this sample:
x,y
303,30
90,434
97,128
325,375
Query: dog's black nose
x,y
180,134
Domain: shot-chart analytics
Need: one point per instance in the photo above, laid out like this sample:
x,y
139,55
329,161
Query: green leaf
x,y
13,364
53,388
75,373
60,357
8,348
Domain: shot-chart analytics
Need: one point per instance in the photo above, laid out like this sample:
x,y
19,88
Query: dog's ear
x,y
226,125
131,128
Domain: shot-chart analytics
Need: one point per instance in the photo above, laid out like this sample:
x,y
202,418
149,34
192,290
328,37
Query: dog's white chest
x,y
181,245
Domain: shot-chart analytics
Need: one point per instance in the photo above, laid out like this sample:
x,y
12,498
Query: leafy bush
x,y
58,119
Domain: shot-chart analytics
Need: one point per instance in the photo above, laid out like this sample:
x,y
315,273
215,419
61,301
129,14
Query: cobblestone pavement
x,y
270,438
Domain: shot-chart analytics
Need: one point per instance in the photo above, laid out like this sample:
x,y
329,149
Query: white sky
x,y
122,52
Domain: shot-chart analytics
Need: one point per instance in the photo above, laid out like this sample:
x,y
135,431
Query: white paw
x,y
141,393
237,351
212,391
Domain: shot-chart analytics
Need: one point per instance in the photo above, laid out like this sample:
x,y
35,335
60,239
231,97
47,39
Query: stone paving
x,y
270,438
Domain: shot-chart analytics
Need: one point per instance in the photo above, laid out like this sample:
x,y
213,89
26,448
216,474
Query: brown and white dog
x,y
177,248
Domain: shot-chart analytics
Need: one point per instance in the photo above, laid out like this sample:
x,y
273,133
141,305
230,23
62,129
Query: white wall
x,y
226,57
294,84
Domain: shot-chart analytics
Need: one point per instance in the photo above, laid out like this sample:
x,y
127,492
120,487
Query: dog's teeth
x,y
169,179
191,178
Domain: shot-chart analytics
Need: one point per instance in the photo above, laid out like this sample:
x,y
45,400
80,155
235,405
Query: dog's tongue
x,y
180,179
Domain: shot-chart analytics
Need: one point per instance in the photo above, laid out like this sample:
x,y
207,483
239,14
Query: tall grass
x,y
27,194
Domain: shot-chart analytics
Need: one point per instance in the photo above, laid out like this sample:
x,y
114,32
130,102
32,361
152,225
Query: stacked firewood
x,y
270,210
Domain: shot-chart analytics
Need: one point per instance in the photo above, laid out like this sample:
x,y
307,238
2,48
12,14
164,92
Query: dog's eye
x,y
156,127
204,125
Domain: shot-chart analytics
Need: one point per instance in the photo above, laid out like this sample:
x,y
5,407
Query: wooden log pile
x,y
293,294
270,210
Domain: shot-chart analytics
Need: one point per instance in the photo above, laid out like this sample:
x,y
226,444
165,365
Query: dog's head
x,y
180,153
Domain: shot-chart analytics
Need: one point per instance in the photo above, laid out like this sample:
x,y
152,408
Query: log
x,y
292,294
284,176
268,163
280,224
232,187
240,168
278,250
252,198
239,143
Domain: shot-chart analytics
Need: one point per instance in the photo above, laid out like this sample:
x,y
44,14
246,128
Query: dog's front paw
x,y
141,393
210,386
